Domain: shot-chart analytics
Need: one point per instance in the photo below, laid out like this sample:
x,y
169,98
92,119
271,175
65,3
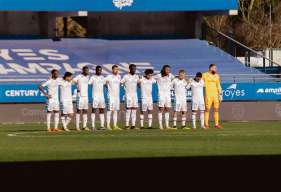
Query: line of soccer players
x,y
130,81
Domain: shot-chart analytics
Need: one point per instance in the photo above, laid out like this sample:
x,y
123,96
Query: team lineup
x,y
165,81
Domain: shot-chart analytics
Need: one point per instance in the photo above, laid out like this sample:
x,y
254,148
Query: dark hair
x,y
67,74
198,74
84,68
162,71
212,65
131,66
148,71
181,71
114,66
53,71
97,67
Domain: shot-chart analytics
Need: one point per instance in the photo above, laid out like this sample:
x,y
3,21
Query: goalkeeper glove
x,y
220,98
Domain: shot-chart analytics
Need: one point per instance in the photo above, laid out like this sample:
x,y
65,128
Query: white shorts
x,y
164,100
113,103
82,103
146,104
180,105
52,105
131,102
98,102
195,105
66,107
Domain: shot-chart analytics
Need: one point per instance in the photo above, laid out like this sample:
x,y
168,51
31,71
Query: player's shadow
x,y
15,131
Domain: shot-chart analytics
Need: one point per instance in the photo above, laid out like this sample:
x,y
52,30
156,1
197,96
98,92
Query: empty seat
x,y
111,37
140,37
184,37
169,37
155,37
37,37
23,37
96,36
133,37
126,37
104,37
118,37
147,37
177,36
15,36
162,36
1,36
7,36
30,36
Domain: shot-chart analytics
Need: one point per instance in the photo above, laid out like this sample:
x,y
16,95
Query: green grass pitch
x,y
31,142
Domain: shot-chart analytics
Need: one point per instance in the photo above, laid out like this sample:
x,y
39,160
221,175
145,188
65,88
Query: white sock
x,y
175,121
49,120
194,119
85,118
101,119
108,115
167,115
141,120
202,118
128,113
57,119
160,119
63,122
68,119
77,120
149,120
93,115
115,118
183,121
134,117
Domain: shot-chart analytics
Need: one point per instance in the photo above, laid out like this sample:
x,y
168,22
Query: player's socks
x,y
85,118
175,122
115,118
183,121
134,117
149,120
93,116
167,115
202,118
141,120
77,119
49,114
63,122
194,119
207,118
128,114
216,117
57,119
160,119
108,115
67,121
101,119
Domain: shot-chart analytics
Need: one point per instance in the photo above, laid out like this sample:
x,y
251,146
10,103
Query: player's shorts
x,y
98,102
180,105
66,107
131,101
82,103
113,103
197,105
146,104
164,100
212,101
52,105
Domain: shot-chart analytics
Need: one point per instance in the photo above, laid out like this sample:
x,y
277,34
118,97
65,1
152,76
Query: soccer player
x,y
113,96
66,99
164,94
196,85
145,85
180,99
52,99
212,98
98,82
82,98
130,81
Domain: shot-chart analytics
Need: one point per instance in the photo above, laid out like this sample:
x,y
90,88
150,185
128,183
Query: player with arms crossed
x,y
130,81
180,104
213,94
52,99
145,84
196,85
98,82
113,96
82,101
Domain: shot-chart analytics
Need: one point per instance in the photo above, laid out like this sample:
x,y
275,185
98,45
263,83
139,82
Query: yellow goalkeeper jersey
x,y
212,84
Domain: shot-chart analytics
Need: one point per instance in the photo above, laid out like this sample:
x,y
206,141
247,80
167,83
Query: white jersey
x,y
179,88
113,83
130,85
146,87
53,87
65,90
82,85
164,83
197,90
98,82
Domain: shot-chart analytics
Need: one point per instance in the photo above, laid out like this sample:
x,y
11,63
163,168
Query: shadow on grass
x,y
14,131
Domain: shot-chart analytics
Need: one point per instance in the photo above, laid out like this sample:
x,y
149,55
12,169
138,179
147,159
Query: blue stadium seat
x,y
162,36
147,37
155,37
7,36
184,37
23,37
126,37
1,36
15,36
111,37
140,37
118,37
30,36
169,37
177,36
133,37
37,37
104,37
96,36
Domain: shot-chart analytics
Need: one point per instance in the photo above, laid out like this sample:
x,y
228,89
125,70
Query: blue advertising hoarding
x,y
236,91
